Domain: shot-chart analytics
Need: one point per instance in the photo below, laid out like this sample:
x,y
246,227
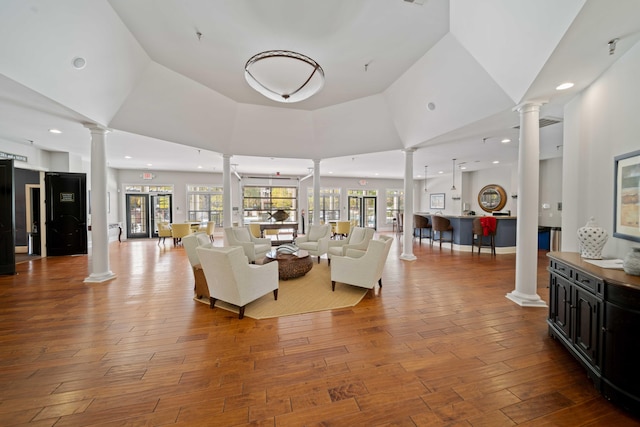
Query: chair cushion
x,y
242,234
316,233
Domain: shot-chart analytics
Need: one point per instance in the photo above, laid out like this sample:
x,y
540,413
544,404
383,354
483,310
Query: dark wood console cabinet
x,y
595,313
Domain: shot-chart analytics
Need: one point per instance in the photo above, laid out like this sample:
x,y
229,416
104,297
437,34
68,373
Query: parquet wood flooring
x,y
438,345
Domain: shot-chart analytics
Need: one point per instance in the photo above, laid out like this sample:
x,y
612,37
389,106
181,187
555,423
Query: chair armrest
x,y
261,240
302,239
361,246
355,253
336,243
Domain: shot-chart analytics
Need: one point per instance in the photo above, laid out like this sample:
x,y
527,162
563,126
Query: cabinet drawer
x,y
562,268
589,282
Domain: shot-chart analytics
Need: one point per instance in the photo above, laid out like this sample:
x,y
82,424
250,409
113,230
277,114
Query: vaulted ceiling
x,y
176,100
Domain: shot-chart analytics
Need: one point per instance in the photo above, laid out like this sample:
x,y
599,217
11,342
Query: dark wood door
x,y
7,218
66,202
588,318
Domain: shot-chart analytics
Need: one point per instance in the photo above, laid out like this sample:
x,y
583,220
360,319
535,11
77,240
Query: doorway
x,y
137,216
66,213
161,204
144,212
363,211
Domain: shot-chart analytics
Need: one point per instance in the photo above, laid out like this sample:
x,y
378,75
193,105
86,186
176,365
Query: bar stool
x,y
441,225
421,223
484,227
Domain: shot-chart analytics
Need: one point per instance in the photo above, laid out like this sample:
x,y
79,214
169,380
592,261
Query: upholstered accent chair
x,y
441,225
179,230
421,225
343,228
363,269
254,247
316,241
232,279
190,243
357,238
210,229
484,233
254,228
164,231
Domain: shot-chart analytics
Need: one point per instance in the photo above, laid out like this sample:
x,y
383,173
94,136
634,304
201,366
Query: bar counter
x,y
463,231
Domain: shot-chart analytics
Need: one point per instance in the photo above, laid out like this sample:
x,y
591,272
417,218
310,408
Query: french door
x,y
137,215
161,206
145,211
363,211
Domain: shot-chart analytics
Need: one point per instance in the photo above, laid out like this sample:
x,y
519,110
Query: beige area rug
x,y
306,294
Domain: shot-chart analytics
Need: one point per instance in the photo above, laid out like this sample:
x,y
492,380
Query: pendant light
x,y
453,175
425,178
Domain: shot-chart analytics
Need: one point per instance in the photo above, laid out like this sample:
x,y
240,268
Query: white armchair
x,y
233,280
316,241
254,247
190,243
358,238
362,269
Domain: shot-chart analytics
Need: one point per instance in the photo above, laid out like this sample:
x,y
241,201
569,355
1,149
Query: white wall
x,y
600,123
550,195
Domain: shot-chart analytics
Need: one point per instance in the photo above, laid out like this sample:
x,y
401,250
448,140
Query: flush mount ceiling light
x,y
284,76
564,86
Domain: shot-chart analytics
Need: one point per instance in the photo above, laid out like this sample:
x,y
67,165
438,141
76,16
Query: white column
x,y
227,219
407,223
100,270
525,293
316,192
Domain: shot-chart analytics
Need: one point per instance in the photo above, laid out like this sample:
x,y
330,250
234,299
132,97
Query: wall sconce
x,y
514,196
455,197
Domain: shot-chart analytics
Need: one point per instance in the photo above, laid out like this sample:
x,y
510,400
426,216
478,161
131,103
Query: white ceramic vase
x,y
631,262
591,240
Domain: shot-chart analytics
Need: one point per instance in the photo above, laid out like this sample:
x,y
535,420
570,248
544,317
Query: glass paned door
x,y
137,215
363,211
369,205
161,205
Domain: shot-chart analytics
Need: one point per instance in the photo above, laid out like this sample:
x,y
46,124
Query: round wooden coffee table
x,y
290,266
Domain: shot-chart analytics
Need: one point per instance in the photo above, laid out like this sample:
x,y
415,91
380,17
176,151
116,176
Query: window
x,y
329,204
395,204
204,204
259,203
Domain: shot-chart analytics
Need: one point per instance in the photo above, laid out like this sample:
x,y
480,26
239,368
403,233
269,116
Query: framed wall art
x,y
626,192
437,201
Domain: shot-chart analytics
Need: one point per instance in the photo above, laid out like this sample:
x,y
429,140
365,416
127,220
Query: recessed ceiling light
x,y
440,171
463,167
431,106
55,131
199,166
506,140
127,157
564,86
79,63
149,164
495,162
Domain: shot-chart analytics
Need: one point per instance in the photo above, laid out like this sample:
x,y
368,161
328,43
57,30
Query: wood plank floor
x,y
438,345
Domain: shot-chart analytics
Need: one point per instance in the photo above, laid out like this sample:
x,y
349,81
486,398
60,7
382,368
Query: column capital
x,y
409,150
529,106
227,156
96,128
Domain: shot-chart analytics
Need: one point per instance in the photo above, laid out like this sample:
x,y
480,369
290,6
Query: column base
x,y
526,300
99,278
408,257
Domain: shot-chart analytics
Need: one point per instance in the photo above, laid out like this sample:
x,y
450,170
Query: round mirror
x,y
492,198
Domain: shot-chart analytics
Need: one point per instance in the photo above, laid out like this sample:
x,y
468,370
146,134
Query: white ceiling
x,y
176,102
